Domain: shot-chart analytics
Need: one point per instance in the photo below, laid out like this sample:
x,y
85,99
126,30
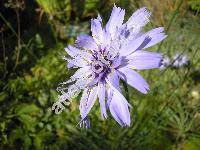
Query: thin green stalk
x,y
8,24
15,33
169,26
18,39
53,31
126,89
4,56
171,21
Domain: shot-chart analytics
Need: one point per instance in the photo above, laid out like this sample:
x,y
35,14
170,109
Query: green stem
x,y
126,89
171,21
17,36
4,56
18,39
8,24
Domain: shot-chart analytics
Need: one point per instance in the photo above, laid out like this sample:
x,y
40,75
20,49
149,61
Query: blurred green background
x,y
33,35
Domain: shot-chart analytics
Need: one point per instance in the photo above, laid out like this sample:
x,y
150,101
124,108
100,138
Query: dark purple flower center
x,y
101,62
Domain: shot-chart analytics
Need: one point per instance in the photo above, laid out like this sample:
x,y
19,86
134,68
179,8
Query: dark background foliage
x,y
33,37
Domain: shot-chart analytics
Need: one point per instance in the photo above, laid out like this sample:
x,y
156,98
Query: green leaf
x,y
26,109
192,144
41,137
28,121
3,96
18,134
72,129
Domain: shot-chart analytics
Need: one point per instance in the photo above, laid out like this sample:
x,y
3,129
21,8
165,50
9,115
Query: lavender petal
x,y
101,95
114,79
144,60
138,19
142,42
86,42
115,21
97,31
87,101
119,108
134,79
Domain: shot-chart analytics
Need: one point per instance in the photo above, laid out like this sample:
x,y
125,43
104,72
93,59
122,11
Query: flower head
x,y
112,53
165,63
180,60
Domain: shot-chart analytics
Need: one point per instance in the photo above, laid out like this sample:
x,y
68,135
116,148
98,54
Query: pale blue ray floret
x,y
112,53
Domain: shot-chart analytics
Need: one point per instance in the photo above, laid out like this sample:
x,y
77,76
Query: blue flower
x,y
112,53
180,60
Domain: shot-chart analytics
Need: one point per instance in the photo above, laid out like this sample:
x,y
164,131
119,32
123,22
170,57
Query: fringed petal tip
x,y
119,107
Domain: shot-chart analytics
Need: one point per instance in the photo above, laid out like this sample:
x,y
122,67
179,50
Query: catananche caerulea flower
x,y
111,53
180,60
